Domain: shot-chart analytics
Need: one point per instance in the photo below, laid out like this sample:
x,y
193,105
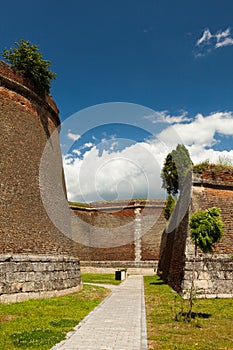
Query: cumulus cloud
x,y
208,41
205,38
202,130
134,171
225,42
129,173
165,117
72,136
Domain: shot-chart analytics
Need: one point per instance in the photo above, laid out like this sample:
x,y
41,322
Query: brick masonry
x,y
215,274
138,225
27,122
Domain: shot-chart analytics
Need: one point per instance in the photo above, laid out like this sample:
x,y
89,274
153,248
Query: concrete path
x,y
118,323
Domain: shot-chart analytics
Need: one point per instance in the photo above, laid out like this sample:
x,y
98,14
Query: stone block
x,y
29,276
28,287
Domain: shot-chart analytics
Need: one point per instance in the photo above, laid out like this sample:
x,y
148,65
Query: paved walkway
x,y
118,323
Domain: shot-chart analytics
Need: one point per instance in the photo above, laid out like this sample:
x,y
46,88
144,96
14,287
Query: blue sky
x,y
174,58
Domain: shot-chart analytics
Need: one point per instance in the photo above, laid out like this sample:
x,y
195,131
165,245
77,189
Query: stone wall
x,y
212,188
213,277
37,276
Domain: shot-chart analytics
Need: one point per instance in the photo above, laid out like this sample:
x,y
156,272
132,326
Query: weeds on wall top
x,y
26,59
222,164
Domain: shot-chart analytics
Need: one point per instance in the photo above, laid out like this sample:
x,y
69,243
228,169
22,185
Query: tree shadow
x,y
158,283
195,315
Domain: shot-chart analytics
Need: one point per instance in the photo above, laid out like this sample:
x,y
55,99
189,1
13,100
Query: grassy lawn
x,y
99,278
210,328
40,324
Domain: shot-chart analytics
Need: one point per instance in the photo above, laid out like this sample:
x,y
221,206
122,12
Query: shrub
x,y
27,60
206,228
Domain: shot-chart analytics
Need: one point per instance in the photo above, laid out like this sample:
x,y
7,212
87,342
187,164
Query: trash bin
x,y
118,275
123,275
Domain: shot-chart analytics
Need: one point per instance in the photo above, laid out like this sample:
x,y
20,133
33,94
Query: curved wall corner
x,y
27,123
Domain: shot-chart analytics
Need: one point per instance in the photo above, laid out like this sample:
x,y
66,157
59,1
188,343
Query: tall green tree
x,y
177,166
183,162
169,175
27,59
170,204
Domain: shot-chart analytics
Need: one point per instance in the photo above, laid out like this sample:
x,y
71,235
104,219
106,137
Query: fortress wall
x,y
26,123
119,240
215,274
215,189
150,241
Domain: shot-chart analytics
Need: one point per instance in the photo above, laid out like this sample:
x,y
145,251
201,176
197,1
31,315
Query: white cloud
x,y
206,36
225,42
201,130
223,34
135,170
208,41
88,145
165,117
125,174
73,136
76,151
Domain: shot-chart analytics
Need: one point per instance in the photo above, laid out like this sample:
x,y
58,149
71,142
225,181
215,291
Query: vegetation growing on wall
x,y
27,60
223,164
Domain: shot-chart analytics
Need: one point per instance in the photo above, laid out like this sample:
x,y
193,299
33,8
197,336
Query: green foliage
x,y
170,204
26,59
223,164
183,162
206,228
177,166
198,168
169,175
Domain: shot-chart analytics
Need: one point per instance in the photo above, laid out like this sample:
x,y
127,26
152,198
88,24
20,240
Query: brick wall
x,y
102,231
27,122
211,188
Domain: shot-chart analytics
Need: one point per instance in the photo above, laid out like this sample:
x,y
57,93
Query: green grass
x,y
99,278
40,324
210,328
79,204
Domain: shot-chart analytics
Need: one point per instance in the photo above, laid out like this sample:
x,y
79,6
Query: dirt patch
x,y
7,318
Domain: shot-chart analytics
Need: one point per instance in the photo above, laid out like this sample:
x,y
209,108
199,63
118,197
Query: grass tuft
x,y
36,338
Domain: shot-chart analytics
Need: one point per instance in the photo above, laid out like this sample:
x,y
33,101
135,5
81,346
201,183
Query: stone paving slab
x,y
118,323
